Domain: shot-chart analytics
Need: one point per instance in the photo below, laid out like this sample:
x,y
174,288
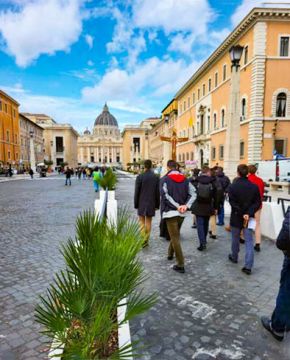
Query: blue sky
x,y
66,58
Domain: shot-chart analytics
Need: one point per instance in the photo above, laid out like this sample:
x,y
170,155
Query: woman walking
x,y
96,177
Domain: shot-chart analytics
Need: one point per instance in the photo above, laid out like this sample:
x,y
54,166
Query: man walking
x,y
245,200
205,205
225,183
31,172
146,198
177,196
68,174
260,183
280,320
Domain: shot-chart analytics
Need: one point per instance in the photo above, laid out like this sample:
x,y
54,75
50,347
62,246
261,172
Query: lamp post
x,y
32,151
232,144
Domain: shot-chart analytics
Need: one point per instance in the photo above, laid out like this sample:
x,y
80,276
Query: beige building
x,y
104,144
136,142
60,140
29,129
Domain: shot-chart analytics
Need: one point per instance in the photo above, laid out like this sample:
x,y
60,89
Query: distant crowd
x,y
204,194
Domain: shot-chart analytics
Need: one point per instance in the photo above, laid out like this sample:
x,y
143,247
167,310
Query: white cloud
x,y
90,63
247,5
172,15
43,27
89,40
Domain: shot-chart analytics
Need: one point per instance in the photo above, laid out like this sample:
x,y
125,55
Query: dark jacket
x,y
245,199
175,190
283,240
68,173
224,181
147,197
206,208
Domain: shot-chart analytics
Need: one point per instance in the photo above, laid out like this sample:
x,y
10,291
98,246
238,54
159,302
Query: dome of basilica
x,y
106,118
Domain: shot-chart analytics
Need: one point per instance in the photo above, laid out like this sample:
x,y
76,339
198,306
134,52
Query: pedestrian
x,y
79,173
146,198
225,183
177,196
245,200
193,181
260,183
31,172
68,174
84,174
220,198
280,320
205,205
96,177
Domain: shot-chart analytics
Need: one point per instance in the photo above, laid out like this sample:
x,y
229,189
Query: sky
x,y
66,58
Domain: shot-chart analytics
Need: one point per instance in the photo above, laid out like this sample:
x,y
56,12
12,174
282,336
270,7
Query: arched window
x,y
183,157
192,156
223,118
187,156
214,121
244,103
281,105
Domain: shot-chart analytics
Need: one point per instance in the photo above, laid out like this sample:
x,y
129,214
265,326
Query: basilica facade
x,y
104,144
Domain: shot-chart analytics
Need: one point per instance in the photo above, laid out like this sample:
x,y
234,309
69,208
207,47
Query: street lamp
x,y
166,118
235,55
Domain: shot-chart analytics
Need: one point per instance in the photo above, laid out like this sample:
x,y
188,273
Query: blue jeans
x,y
68,181
221,214
249,244
202,223
96,185
281,314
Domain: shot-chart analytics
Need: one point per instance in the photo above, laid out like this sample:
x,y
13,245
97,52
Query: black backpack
x,y
204,192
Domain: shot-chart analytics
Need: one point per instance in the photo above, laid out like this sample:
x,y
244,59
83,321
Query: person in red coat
x,y
260,183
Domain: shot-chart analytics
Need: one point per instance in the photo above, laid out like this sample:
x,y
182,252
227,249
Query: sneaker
x,y
257,248
210,232
266,322
201,248
232,259
246,271
169,257
213,236
179,269
194,226
220,224
242,241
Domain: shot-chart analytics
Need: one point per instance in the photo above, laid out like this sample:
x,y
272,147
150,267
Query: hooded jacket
x,y
206,208
283,240
175,190
224,180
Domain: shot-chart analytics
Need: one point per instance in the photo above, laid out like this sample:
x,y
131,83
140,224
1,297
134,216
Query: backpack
x,y
204,192
220,192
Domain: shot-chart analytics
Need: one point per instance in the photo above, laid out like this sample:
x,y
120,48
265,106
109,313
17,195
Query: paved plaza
x,y
210,312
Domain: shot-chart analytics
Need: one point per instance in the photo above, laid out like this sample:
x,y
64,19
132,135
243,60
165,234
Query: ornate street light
x,y
235,55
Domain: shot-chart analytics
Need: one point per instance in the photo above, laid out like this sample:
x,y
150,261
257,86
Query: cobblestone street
x,y
210,312
35,217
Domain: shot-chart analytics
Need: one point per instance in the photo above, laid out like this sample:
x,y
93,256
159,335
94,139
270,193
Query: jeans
x,y
249,244
68,181
221,214
281,314
202,223
173,226
96,185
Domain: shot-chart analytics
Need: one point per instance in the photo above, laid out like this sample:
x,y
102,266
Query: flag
x,y
190,121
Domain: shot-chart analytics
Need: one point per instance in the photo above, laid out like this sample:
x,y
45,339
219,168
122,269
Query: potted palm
x,y
108,182
102,274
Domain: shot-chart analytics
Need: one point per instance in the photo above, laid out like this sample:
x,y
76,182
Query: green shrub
x,y
102,268
108,181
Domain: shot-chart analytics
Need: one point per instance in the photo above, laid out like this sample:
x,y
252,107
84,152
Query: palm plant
x,y
108,181
102,268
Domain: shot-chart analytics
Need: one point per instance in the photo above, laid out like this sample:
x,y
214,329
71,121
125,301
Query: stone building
x,y
9,131
104,144
28,129
60,140
264,94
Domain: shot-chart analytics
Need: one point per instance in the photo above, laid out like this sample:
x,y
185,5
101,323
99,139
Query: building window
x,y
59,144
6,108
246,54
21,141
14,113
280,147
193,98
187,156
203,89
16,156
242,149
213,153
1,105
224,72
136,145
15,139
192,156
284,46
221,155
198,94
183,157
223,118
184,105
180,108
208,123
9,155
7,136
188,102
214,121
244,104
281,105
209,85
215,79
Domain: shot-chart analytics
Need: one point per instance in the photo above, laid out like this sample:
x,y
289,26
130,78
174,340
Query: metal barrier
x,y
282,201
103,212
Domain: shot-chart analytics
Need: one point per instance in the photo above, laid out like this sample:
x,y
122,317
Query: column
x,y
32,154
102,154
166,149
